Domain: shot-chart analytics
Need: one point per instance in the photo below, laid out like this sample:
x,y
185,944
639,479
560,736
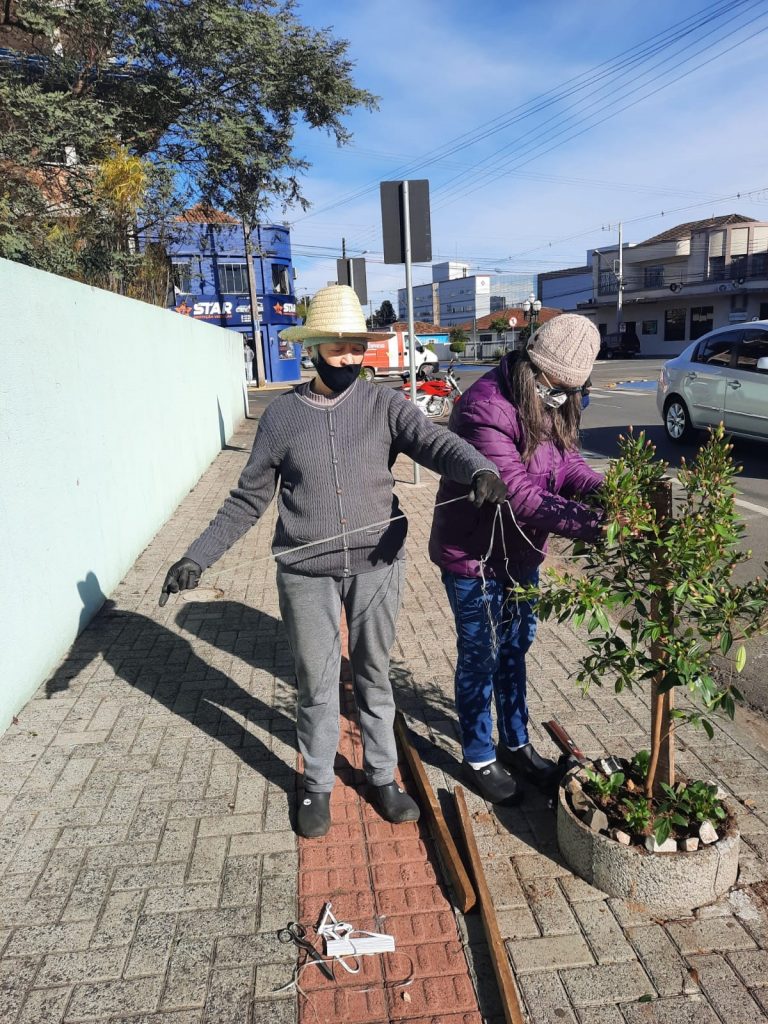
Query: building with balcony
x,y
455,295
683,282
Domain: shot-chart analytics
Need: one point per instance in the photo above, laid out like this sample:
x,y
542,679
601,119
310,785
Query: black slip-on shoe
x,y
527,762
314,815
394,804
493,783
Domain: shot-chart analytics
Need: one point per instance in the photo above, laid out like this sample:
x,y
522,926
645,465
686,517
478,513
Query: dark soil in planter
x,y
633,788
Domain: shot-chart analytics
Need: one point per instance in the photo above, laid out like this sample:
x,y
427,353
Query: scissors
x,y
297,934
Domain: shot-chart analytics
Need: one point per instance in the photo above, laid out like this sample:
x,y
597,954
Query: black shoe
x,y
493,783
526,762
394,804
314,817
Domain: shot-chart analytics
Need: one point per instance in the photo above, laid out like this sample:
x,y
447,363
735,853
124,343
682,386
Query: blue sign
x,y
235,310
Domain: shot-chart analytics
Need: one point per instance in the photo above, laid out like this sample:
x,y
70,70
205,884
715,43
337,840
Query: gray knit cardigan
x,y
332,468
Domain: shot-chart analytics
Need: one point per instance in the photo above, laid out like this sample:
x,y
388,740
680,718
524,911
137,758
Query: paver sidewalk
x,y
146,796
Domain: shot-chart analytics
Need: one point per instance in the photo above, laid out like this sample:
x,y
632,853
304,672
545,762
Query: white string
x,y
327,540
299,969
493,626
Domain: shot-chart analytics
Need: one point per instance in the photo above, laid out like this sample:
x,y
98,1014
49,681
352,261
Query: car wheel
x,y
367,373
677,421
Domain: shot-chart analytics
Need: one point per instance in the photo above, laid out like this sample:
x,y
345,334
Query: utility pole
x,y
343,248
409,295
253,295
620,292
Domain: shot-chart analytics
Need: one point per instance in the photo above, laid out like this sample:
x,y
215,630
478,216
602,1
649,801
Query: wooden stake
x,y
452,862
662,767
498,950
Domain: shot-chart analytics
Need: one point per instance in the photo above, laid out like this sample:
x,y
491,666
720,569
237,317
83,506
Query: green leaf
x,y
661,830
741,658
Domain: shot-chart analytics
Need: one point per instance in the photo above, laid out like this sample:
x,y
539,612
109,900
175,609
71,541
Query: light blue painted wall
x,y
110,411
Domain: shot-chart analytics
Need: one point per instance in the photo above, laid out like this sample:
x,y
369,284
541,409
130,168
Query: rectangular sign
x,y
392,221
235,310
352,272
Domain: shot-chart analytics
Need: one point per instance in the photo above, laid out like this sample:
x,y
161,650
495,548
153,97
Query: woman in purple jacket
x,y
524,417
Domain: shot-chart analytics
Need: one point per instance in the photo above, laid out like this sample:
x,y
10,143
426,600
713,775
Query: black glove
x,y
486,486
183,575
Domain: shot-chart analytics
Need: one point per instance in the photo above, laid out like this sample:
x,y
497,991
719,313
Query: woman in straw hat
x,y
525,416
328,447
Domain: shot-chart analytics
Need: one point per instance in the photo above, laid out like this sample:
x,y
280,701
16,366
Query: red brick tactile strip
x,y
381,877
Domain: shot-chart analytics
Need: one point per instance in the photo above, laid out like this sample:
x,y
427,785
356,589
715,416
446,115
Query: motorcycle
x,y
436,396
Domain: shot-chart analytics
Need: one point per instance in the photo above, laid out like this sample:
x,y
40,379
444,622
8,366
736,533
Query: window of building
x,y
763,311
754,346
653,277
738,267
650,327
182,277
701,321
607,284
717,267
602,329
716,351
233,278
716,254
281,282
674,325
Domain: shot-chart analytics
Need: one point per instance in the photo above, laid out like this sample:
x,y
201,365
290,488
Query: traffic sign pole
x,y
409,297
513,325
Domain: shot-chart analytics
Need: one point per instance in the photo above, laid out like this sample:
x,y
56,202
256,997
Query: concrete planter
x,y
664,883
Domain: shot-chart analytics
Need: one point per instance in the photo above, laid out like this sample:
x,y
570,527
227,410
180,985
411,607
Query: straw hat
x,y
334,312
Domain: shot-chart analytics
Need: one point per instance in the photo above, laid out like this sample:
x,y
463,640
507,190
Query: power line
x,y
489,174
612,66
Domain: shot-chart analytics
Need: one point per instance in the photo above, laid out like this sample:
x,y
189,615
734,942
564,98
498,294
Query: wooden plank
x,y
449,855
498,950
662,703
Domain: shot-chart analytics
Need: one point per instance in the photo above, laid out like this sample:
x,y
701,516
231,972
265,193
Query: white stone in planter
x,y
596,819
668,846
621,837
707,833
690,844
582,805
720,794
664,885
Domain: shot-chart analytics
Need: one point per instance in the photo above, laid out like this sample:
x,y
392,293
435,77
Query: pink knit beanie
x,y
566,347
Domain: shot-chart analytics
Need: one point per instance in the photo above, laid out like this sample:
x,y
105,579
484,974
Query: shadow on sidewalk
x,y
533,821
163,665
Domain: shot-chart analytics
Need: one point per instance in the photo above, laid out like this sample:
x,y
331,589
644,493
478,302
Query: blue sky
x,y
445,69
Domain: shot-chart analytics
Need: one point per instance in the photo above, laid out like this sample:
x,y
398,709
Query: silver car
x,y
721,378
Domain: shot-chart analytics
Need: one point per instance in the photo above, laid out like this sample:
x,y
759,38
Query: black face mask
x,y
337,378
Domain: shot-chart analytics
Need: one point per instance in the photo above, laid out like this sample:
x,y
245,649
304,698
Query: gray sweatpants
x,y
311,610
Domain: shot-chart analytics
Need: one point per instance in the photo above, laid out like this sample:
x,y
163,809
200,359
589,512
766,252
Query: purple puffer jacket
x,y
541,493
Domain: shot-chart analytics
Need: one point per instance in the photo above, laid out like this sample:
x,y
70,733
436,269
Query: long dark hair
x,y
539,423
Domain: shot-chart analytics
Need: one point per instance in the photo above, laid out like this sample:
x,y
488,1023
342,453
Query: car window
x,y
716,351
754,346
